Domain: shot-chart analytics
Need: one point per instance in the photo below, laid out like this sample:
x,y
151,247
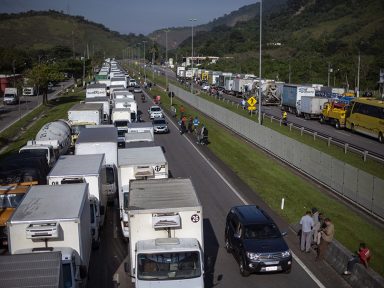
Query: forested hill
x,y
313,34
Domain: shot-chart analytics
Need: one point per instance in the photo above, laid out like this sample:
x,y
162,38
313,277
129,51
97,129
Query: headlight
x,y
253,256
286,254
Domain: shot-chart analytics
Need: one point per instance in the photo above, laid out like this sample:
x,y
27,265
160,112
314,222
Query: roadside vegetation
x,y
273,181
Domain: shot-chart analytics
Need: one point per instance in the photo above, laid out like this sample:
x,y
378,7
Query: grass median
x,y
273,181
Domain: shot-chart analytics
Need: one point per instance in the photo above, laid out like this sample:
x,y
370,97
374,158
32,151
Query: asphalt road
x,y
365,142
219,189
9,114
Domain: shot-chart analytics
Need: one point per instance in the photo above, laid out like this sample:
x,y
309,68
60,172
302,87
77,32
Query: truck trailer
x,y
55,219
96,90
312,107
291,98
166,234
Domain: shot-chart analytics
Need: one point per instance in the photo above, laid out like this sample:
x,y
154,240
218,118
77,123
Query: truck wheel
x,y
381,137
243,270
337,125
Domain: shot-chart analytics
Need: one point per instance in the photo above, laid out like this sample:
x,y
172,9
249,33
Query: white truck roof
x,y
140,156
86,107
77,165
167,244
140,125
42,202
145,136
157,195
98,134
97,99
97,85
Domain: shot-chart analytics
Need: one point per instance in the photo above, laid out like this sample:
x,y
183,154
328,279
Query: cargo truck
x,y
11,96
166,234
106,106
85,169
32,270
139,127
55,219
138,163
334,112
52,140
312,107
122,81
291,98
96,90
101,140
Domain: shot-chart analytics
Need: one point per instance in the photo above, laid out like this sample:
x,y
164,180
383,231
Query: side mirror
x,y
237,235
126,267
284,233
102,210
83,271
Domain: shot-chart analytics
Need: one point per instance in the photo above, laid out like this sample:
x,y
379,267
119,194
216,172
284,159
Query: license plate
x,y
271,268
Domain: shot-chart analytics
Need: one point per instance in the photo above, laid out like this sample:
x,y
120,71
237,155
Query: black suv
x,y
256,241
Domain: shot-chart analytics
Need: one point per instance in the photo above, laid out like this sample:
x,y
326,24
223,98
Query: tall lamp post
x,y
261,21
193,74
145,71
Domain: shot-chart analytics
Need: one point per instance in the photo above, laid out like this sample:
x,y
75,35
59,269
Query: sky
x,y
127,16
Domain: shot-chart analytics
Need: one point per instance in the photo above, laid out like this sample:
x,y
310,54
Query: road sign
x,y
251,108
252,101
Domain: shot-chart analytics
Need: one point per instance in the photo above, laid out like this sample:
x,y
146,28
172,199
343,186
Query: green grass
x,y
354,159
27,128
273,181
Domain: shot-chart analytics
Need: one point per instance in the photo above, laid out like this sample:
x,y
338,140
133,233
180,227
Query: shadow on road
x,y
211,250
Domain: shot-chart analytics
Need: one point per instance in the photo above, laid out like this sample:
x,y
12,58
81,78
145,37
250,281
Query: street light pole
x,y
145,71
193,74
261,21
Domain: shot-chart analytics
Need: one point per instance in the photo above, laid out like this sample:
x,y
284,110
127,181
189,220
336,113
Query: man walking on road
x,y
307,224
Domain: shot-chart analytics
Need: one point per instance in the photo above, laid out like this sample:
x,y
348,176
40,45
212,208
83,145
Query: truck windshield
x,y
122,123
10,200
34,152
168,266
67,275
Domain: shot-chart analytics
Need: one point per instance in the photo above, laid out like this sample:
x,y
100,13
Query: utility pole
x,y
289,73
358,76
166,61
329,73
145,71
84,70
193,74
260,33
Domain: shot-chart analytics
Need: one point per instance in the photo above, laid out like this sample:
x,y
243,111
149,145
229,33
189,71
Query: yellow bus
x,y
366,116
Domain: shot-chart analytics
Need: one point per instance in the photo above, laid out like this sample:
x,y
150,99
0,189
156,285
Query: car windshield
x,y
169,266
159,122
155,109
261,231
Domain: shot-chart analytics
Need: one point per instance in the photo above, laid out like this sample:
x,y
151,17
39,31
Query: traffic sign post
x,y
251,108
252,101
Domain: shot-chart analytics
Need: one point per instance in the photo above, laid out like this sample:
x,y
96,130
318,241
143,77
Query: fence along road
x,y
355,185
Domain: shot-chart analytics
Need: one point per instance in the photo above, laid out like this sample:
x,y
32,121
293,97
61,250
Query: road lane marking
x,y
305,268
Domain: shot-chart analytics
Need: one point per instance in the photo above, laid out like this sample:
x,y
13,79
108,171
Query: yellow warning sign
x,y
252,101
251,108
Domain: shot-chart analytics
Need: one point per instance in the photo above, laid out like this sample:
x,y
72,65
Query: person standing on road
x,y
243,103
196,123
183,127
284,118
327,235
307,224
200,134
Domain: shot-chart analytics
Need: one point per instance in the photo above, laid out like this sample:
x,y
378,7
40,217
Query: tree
x,y
43,74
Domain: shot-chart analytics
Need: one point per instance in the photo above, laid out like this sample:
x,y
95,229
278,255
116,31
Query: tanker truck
x,y
53,140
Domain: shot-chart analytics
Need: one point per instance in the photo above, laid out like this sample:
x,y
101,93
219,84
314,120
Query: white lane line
x,y
297,259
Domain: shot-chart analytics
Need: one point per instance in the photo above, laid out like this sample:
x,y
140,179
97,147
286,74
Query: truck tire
x,y
381,137
353,128
337,125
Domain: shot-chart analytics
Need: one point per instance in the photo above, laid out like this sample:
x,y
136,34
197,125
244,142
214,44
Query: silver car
x,y
155,112
160,125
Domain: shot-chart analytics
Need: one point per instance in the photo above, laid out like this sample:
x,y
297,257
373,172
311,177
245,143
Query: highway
x,y
364,142
9,114
219,189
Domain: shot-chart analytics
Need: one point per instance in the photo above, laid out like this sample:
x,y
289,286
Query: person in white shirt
x,y
307,224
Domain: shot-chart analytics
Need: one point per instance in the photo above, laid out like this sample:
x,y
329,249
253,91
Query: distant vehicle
x,y
137,89
366,116
132,83
155,112
10,96
255,241
29,91
160,125
291,97
205,87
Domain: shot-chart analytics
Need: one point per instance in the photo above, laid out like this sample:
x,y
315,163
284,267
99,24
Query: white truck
x,y
139,127
180,72
55,219
138,163
29,91
11,96
122,81
120,118
291,97
85,169
125,103
52,140
32,270
122,94
101,140
241,85
106,106
96,90
312,107
136,139
82,114
166,234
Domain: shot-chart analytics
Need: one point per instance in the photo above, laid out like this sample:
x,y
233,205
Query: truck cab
x,y
11,96
46,151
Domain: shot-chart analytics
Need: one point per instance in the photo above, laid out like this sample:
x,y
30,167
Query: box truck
x,y
291,98
89,169
11,96
106,106
52,140
312,107
166,234
139,127
138,163
101,140
55,219
96,90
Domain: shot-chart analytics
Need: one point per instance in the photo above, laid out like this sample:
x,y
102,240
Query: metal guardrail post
x,y
314,135
346,148
301,131
280,121
271,119
365,154
329,141
263,116
290,126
